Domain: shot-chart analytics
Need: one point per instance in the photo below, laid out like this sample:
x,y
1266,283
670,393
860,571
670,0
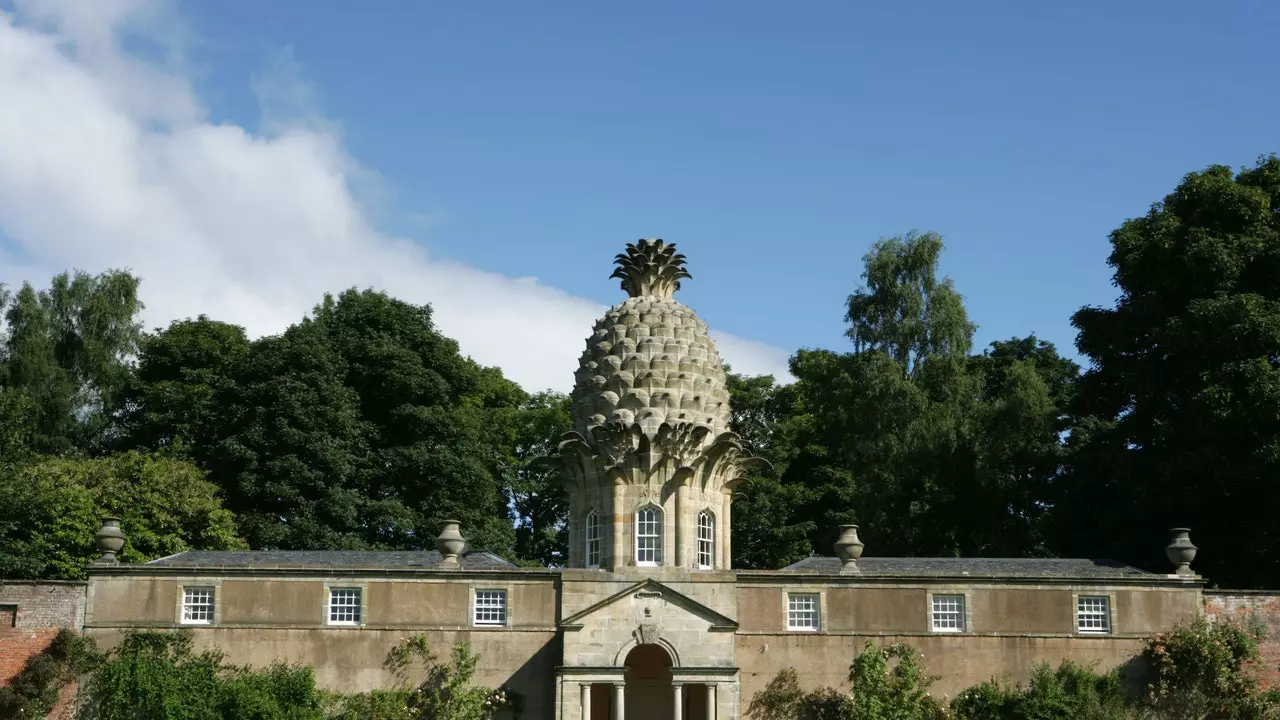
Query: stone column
x,y
724,528
679,553
586,700
619,527
711,701
677,709
619,701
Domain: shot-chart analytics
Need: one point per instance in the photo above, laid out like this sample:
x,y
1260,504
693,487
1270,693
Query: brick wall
x,y
1252,609
31,614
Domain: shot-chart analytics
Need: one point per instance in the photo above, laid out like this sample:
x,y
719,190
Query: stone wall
x,y
958,661
1008,628
261,618
31,614
1252,608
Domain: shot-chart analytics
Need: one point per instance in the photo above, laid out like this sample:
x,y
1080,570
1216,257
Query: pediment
x,y
673,600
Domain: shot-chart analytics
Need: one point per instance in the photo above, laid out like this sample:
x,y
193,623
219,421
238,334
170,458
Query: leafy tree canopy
x,y
51,509
1176,421
932,450
535,490
67,349
359,427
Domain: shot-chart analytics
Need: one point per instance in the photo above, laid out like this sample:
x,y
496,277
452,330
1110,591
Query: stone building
x,y
649,620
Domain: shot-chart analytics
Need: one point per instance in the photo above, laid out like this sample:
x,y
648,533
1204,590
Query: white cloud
x,y
108,160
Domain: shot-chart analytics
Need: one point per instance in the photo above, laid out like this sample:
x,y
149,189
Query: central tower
x,y
650,465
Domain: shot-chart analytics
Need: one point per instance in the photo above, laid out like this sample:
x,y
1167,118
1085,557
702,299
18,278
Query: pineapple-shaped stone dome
x,y
651,465
650,360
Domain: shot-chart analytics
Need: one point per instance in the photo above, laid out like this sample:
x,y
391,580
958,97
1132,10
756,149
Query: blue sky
x,y
772,142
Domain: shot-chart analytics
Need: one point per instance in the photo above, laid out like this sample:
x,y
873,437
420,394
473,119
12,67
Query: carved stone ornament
x,y
450,543
681,442
109,540
647,634
614,441
1181,551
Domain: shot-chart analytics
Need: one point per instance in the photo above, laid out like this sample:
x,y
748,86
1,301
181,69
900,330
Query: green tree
x,y
68,348
50,510
175,397
932,450
17,427
1175,419
904,309
363,427
768,530
535,491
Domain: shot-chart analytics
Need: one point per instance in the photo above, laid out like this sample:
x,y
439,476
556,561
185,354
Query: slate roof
x,y
977,567
327,559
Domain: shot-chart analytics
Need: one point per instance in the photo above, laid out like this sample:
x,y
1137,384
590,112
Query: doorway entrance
x,y
648,695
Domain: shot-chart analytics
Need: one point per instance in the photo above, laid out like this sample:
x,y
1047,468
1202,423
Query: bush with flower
x,y
1203,669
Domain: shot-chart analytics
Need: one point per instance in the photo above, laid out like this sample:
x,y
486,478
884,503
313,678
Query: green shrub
x,y
34,690
1202,670
884,684
158,676
445,693
375,705
1072,692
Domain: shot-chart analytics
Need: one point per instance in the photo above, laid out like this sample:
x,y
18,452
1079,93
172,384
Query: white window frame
x,y
794,610
705,551
482,601
345,592
592,544
649,556
1093,614
208,600
948,613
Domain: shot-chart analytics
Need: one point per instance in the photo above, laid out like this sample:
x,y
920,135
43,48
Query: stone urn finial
x,y
109,541
1180,551
451,544
848,548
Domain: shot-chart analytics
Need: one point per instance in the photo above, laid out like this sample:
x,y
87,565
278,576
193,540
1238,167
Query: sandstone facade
x,y
649,620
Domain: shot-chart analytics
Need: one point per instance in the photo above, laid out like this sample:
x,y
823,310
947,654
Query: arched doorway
x,y
648,692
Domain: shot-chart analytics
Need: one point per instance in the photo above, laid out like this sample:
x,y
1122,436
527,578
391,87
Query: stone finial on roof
x,y
1180,551
650,268
109,540
451,544
848,548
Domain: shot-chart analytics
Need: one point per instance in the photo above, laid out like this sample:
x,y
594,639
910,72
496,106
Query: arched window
x,y
593,539
706,540
649,535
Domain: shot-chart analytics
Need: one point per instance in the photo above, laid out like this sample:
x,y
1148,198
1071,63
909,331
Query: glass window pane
x,y
593,539
802,612
706,540
649,536
344,606
197,605
948,613
491,607
1093,614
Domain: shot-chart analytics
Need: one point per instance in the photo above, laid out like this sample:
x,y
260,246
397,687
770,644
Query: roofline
x,y
1109,562
169,570
860,578
25,581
